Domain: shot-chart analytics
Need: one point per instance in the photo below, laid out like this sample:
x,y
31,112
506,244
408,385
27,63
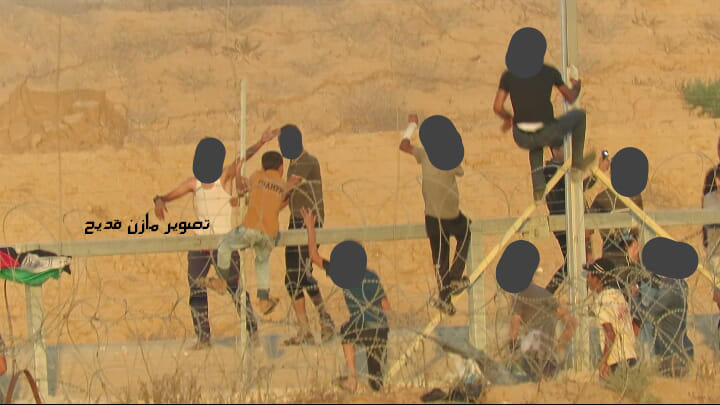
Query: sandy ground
x,y
142,83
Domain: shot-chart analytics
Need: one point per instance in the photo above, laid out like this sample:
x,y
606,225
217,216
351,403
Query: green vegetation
x,y
705,95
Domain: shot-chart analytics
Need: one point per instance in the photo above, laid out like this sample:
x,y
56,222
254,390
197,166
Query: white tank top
x,y
213,204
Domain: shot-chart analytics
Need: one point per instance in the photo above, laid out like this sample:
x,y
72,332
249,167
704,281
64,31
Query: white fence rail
x,y
539,225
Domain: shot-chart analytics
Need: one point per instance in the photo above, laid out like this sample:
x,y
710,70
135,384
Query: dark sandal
x,y
274,302
341,382
298,340
327,333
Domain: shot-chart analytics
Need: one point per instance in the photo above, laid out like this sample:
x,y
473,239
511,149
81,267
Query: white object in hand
x,y
410,130
573,72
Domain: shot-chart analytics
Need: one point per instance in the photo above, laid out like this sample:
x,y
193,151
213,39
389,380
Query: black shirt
x,y
530,97
710,181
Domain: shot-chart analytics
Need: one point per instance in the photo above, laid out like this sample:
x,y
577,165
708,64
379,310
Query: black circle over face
x,y
209,159
526,52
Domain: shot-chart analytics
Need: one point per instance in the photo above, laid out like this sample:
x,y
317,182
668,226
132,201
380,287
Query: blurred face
x,y
633,251
593,282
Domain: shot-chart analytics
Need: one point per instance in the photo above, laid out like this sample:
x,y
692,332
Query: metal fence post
x,y
476,296
34,304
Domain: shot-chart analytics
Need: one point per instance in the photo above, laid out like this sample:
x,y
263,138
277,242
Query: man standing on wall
x,y
443,218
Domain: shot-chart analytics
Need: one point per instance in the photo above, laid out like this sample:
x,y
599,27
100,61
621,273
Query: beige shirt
x,y
267,193
439,188
611,307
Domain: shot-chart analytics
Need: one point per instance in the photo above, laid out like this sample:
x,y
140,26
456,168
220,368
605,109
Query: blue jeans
x,y
240,238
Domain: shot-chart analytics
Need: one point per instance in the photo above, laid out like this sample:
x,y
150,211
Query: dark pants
x,y
375,342
552,134
669,317
298,266
199,262
439,232
560,274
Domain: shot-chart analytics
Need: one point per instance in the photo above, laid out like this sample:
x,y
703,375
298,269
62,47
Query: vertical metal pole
x,y
243,280
34,303
575,206
476,296
227,16
647,330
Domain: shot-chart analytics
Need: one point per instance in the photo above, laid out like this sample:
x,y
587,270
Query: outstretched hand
x,y
269,134
604,164
413,118
507,124
604,370
160,209
243,185
295,180
308,216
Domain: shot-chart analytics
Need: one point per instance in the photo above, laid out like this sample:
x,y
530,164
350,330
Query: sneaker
x,y
300,339
267,306
586,162
458,286
445,307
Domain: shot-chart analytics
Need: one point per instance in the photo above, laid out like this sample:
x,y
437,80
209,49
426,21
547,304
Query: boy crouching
x,y
365,300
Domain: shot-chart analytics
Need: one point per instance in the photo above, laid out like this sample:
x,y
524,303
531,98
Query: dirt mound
x,y
80,119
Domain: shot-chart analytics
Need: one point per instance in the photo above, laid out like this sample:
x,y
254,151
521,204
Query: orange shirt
x,y
267,193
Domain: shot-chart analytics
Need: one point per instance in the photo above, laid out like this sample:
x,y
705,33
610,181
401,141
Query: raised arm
x,y
232,171
570,95
405,144
604,165
159,201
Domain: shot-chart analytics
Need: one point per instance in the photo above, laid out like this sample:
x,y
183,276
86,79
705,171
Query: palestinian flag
x,y
33,267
